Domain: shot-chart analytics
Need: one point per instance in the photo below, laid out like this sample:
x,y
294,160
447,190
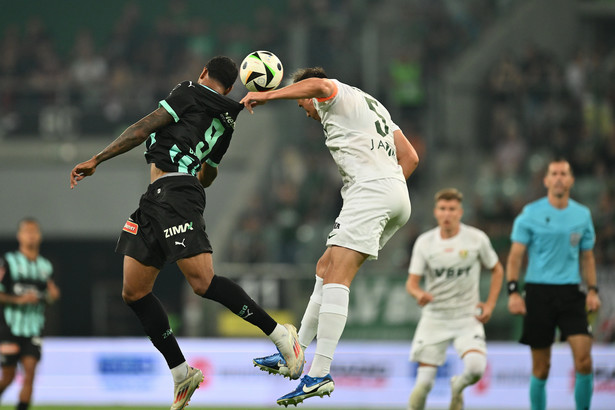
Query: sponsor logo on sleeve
x,y
131,227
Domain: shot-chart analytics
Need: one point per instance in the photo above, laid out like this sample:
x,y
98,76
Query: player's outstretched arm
x,y
406,154
497,277
130,138
516,304
308,88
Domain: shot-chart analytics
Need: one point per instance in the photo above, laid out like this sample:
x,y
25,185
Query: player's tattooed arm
x,y
130,138
135,134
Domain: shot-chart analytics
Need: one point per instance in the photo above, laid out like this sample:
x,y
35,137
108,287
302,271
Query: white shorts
x,y
372,212
432,337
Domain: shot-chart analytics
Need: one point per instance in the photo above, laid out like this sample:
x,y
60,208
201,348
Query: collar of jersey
x,y
209,88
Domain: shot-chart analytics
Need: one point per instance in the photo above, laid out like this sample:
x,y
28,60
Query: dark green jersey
x,y
203,125
19,275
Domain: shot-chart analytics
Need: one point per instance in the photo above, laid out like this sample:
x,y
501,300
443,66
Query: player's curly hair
x,y
223,69
448,194
309,72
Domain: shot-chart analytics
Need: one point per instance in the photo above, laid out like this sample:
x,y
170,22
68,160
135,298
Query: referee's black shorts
x,y
169,223
550,307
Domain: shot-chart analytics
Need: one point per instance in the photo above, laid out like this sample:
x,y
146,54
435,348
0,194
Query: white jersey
x,y
452,269
359,135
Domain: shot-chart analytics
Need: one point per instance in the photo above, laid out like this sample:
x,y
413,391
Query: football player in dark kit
x,y
187,136
26,286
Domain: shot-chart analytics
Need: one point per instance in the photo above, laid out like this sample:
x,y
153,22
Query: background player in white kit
x,y
450,258
374,159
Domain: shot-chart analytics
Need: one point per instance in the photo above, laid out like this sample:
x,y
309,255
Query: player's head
x,y
559,178
29,233
448,209
307,103
222,70
310,72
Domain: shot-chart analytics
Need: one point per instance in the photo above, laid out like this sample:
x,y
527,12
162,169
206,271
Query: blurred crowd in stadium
x,y
99,83
535,104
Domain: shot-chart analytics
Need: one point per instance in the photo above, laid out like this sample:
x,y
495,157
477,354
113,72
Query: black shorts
x,y
169,223
13,348
551,306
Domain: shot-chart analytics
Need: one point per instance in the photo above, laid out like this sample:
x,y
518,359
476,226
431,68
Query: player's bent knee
x,y
321,267
129,297
6,380
475,364
583,364
199,285
199,289
541,370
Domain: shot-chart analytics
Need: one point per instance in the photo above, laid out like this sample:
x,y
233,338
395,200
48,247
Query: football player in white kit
x,y
374,159
449,257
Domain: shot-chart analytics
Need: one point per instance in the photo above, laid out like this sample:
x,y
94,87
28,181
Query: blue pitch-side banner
x,y
118,371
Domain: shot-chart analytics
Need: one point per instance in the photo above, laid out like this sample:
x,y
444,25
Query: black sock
x,y
23,406
155,322
231,295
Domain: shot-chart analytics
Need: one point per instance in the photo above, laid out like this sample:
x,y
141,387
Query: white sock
x,y
474,365
309,323
425,377
180,372
331,323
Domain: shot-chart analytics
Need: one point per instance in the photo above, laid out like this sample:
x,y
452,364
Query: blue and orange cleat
x,y
273,364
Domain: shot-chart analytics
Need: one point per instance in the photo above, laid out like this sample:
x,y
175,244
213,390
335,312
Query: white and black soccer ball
x,y
261,71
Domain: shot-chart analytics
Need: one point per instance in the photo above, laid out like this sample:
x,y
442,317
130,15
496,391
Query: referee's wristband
x,y
512,287
594,288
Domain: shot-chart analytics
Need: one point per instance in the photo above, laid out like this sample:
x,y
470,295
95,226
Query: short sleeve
x,y
4,275
324,104
589,236
488,256
49,268
179,100
418,262
521,231
218,152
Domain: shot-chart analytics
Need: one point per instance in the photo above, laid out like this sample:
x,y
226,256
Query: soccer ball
x,y
261,71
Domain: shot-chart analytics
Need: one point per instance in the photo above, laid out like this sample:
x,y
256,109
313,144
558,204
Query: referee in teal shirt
x,y
558,234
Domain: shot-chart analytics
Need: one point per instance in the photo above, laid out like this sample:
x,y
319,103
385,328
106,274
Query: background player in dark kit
x,y
25,287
